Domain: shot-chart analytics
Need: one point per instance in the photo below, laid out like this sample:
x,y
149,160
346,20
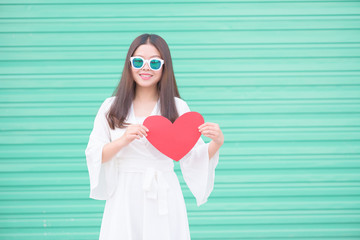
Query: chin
x,y
145,83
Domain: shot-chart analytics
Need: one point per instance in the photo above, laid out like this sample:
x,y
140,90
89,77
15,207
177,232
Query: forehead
x,y
147,51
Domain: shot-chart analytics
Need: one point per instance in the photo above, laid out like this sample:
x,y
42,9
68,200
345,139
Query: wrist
x,y
121,142
218,145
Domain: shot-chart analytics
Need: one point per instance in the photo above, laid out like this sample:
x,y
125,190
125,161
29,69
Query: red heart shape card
x,y
176,139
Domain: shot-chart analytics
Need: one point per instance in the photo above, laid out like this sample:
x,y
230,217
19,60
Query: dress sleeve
x,y
197,169
103,176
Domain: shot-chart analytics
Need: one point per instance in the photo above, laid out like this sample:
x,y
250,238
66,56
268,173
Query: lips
x,y
145,76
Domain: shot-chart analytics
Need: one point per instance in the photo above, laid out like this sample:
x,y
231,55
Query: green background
x,y
281,78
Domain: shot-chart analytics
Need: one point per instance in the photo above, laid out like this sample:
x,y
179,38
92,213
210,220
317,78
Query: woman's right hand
x,y
134,131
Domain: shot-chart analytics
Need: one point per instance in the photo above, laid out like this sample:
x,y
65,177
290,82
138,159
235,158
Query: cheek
x,y
134,73
158,74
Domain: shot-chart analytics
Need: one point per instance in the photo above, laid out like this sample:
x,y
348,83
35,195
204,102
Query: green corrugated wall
x,y
282,79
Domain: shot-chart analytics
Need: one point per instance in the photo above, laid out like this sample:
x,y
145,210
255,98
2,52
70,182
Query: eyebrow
x,y
150,57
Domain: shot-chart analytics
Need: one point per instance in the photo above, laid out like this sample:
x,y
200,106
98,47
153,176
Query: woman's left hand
x,y
213,131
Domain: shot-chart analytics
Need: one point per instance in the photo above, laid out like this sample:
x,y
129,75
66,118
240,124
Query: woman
x,y
143,195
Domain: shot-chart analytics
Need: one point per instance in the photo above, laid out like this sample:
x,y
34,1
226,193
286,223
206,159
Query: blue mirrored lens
x,y
155,64
137,62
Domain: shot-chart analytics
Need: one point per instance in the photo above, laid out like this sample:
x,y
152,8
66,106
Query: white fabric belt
x,y
154,182
156,187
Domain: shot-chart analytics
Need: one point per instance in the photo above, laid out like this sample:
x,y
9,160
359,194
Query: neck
x,y
146,94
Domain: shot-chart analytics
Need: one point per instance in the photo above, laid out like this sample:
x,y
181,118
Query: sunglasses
x,y
154,63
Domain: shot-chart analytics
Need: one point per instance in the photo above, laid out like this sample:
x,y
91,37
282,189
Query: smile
x,y
145,76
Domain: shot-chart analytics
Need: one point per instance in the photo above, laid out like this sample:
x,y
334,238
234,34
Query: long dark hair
x,y
125,91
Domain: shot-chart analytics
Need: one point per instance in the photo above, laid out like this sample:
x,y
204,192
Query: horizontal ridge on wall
x,y
281,78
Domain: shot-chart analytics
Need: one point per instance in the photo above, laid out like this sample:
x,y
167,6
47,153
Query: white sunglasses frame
x,y
148,62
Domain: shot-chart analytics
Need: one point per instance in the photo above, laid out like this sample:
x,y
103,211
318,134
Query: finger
x,y
208,128
134,131
210,136
213,134
132,128
204,131
132,137
205,124
140,132
145,128
209,132
136,134
208,124
215,125
212,124
202,125
137,130
143,131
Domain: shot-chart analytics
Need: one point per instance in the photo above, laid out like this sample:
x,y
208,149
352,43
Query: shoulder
x,y
181,106
110,99
106,104
179,101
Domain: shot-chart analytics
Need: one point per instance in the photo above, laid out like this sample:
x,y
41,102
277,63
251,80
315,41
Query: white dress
x,y
143,196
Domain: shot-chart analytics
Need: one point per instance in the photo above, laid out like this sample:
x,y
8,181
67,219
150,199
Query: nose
x,y
146,65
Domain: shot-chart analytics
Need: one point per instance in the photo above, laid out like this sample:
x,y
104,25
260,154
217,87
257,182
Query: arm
x,y
213,148
102,176
111,148
133,131
198,166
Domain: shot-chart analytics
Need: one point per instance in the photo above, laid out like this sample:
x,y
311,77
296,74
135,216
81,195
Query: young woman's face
x,y
146,77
